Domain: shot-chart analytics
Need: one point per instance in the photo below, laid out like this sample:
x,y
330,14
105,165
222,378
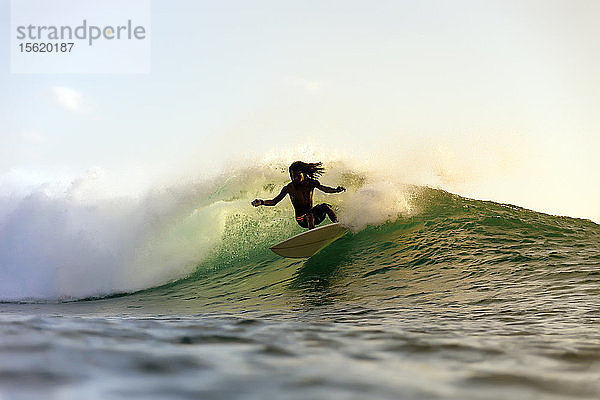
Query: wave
x,y
66,245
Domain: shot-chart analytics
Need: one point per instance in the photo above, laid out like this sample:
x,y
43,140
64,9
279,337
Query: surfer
x,y
304,181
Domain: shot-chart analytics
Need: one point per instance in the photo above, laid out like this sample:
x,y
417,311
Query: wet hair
x,y
312,170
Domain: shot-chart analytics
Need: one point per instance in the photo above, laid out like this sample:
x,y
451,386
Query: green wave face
x,y
445,250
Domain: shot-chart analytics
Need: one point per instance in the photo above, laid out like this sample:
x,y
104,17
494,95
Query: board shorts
x,y
319,213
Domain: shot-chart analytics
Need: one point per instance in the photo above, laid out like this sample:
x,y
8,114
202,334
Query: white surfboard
x,y
307,244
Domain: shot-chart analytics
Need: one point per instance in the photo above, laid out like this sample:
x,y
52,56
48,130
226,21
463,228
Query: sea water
x,y
431,296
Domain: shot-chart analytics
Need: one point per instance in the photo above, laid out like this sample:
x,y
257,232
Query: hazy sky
x,y
495,85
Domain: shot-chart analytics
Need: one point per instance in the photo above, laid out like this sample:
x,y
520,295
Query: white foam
x,y
78,244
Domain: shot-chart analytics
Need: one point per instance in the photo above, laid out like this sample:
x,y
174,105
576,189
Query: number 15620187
x,y
46,47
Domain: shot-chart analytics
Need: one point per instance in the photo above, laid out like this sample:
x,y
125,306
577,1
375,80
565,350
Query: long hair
x,y
312,170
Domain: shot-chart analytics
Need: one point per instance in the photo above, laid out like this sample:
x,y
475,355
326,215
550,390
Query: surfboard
x,y
307,244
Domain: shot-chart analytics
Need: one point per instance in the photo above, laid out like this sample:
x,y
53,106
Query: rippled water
x,y
462,300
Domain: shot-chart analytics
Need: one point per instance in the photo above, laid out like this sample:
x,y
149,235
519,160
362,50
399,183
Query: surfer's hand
x,y
340,189
256,202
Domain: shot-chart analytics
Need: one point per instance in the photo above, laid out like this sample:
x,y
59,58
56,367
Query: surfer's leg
x,y
310,218
330,213
319,212
302,221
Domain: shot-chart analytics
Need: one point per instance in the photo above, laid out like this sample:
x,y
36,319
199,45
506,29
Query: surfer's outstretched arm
x,y
328,189
277,199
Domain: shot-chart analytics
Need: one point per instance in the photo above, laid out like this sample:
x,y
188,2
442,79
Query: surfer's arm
x,y
277,199
328,189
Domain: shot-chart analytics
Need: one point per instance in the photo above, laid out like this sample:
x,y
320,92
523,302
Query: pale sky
x,y
505,86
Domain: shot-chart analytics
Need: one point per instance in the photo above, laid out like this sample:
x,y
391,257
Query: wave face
x,y
206,243
448,251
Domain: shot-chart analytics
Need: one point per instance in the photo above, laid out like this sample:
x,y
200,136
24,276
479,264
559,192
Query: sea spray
x,y
376,203
62,245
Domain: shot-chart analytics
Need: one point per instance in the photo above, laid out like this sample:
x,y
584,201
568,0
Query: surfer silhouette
x,y
304,181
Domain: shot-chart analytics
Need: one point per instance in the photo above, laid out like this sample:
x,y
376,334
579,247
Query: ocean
x,y
176,296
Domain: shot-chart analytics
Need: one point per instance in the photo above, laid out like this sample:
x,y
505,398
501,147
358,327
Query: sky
x,y
500,97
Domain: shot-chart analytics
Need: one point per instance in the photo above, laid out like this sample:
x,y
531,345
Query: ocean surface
x,y
431,296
